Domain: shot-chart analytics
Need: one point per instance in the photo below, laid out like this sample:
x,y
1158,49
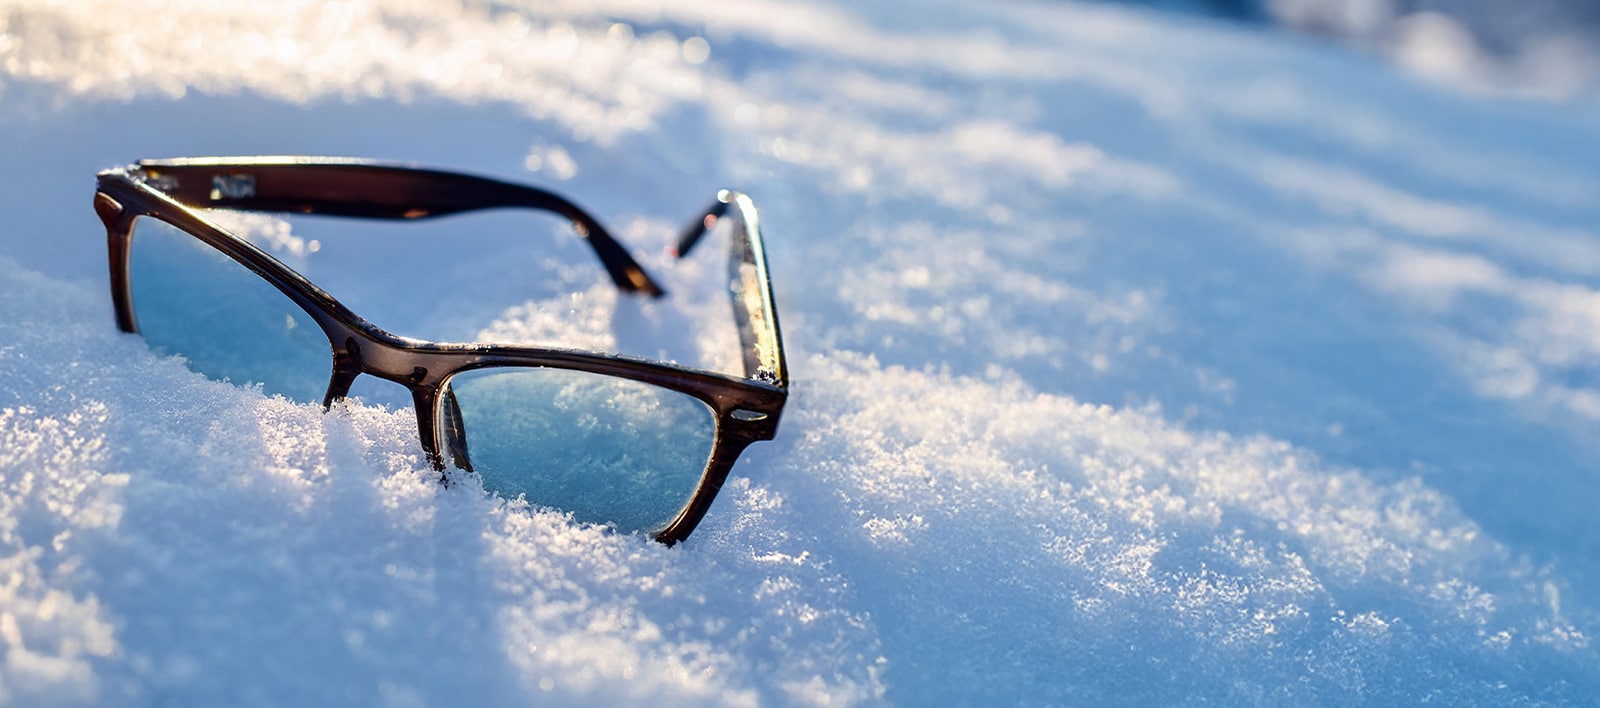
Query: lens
x,y
608,450
193,301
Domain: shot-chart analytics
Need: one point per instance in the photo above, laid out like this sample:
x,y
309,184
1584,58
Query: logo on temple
x,y
233,187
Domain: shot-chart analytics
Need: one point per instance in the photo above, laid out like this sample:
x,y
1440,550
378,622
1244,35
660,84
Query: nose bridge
x,y
355,353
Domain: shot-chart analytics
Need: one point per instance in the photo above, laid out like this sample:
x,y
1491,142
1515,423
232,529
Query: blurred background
x,y
1545,48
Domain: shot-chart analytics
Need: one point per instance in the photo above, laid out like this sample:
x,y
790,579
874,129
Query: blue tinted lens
x,y
229,323
608,450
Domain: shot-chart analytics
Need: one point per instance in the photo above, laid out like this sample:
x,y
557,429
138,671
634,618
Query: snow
x,y
1136,359
1543,48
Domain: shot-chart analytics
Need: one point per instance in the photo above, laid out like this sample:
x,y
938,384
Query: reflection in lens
x,y
193,301
608,450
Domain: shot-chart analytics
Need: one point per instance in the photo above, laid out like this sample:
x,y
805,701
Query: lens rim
x,y
746,410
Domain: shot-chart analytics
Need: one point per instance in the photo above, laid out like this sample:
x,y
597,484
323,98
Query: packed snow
x,y
1136,359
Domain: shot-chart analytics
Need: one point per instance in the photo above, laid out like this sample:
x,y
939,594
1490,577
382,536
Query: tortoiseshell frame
x,y
746,409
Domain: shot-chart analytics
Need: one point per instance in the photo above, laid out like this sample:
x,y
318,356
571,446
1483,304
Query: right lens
x,y
607,449
193,301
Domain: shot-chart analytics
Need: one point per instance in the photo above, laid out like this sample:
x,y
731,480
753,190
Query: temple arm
x,y
749,284
374,190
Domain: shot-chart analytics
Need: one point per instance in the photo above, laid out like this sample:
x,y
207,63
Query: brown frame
x,y
747,409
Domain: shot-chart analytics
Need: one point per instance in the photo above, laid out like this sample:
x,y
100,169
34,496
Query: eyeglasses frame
x,y
746,410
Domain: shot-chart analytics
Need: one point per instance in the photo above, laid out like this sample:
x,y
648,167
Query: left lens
x,y
606,449
194,301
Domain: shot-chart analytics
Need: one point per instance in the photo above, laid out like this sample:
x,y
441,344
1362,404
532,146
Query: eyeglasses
x,y
641,445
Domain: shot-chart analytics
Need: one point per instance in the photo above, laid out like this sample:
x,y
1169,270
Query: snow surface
x,y
1136,360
